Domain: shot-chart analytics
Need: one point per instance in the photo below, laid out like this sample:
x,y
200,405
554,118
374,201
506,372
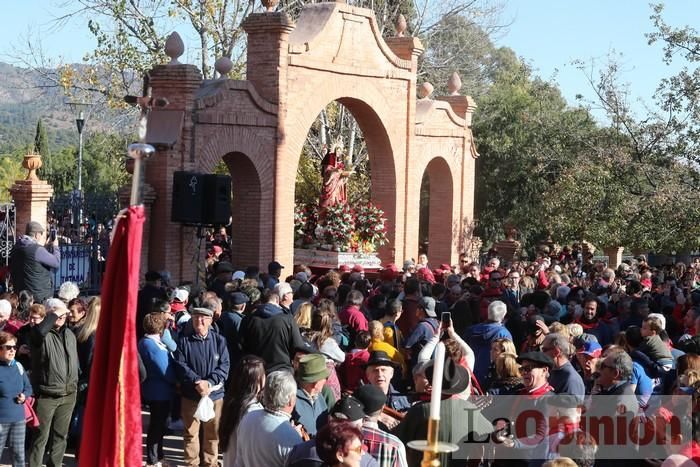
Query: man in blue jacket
x,y
202,366
480,336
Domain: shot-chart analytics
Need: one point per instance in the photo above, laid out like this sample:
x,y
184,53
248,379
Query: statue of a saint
x,y
335,177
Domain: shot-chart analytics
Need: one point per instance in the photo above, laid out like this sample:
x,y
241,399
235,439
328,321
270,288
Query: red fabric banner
x,y
111,434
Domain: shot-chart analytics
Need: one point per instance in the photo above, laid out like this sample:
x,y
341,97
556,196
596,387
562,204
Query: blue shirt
x,y
13,381
644,384
424,331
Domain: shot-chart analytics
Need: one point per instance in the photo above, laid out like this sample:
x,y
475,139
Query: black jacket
x,y
32,267
272,335
55,368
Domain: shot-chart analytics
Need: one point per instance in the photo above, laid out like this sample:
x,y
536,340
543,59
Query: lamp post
x,y
77,196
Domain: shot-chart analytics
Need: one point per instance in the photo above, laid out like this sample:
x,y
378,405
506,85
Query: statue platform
x,y
334,259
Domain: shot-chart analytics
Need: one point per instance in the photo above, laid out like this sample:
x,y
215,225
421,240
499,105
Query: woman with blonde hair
x,y
303,316
378,343
508,380
498,346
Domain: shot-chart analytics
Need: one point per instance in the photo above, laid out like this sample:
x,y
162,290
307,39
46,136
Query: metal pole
x,y
80,123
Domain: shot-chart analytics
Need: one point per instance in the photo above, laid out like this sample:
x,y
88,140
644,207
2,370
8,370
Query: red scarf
x,y
539,392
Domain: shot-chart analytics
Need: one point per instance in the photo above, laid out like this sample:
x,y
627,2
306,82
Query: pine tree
x,y
41,146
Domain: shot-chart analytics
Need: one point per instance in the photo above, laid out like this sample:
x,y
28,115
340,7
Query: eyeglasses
x,y
358,449
8,347
527,369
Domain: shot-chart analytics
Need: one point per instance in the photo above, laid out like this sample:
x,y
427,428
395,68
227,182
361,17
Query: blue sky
x,y
549,34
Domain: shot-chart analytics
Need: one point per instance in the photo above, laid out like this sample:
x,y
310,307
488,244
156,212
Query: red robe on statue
x,y
334,179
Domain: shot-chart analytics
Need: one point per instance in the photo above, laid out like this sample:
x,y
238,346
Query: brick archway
x,y
258,126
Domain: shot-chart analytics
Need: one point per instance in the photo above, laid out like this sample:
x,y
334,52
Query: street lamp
x,y
77,196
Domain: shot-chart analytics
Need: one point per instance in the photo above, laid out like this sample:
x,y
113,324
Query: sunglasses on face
x,y
8,347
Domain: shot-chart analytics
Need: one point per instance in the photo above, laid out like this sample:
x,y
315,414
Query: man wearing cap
x,y
178,306
310,409
425,329
386,448
202,366
54,377
274,271
587,354
347,409
379,372
32,265
230,323
148,296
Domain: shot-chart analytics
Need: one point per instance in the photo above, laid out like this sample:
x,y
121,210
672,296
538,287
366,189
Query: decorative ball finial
x,y
223,66
174,48
454,84
270,5
425,90
401,25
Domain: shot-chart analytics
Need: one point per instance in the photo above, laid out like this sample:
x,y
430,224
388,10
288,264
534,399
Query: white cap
x,y
238,276
181,295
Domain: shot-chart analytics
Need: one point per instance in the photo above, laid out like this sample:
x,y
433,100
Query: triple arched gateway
x,y
258,127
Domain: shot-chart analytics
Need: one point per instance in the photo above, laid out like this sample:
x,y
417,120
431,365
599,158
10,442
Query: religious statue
x,y
335,177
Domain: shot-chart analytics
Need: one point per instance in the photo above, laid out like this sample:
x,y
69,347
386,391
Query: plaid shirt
x,y
386,448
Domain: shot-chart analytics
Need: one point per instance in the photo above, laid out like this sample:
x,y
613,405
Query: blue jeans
x,y
15,432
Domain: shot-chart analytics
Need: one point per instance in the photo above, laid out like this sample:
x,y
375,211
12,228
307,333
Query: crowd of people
x,y
335,368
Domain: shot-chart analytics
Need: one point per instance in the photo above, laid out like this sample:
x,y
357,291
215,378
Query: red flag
x,y
112,423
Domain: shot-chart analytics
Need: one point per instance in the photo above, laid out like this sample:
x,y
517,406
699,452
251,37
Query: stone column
x,y
614,254
31,195
149,197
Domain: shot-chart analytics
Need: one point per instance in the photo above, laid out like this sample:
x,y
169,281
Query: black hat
x,y
153,276
224,266
540,358
349,409
372,398
455,378
252,271
274,266
238,298
379,358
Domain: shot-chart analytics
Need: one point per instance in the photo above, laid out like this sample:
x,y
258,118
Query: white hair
x,y
497,311
68,291
283,288
660,317
280,388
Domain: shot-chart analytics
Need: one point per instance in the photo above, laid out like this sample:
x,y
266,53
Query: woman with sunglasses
x,y
339,444
14,390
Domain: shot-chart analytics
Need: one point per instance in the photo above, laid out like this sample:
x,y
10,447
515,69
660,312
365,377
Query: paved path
x,y
172,449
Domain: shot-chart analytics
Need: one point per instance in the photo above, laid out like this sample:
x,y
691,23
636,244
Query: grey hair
x,y
622,363
497,311
212,303
283,288
68,291
395,306
280,388
559,341
355,297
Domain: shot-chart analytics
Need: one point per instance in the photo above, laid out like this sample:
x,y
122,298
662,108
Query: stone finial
x,y
32,162
425,90
401,25
174,47
270,5
454,84
223,66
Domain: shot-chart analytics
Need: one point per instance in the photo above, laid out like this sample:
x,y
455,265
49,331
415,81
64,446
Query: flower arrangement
x,y
370,225
305,223
344,228
339,226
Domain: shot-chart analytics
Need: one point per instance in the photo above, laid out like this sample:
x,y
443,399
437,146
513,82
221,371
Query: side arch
x,y
440,223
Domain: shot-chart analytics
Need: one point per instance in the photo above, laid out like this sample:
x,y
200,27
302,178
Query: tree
x,y
41,146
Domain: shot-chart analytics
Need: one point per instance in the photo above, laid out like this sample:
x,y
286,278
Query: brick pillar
x,y
614,254
267,67
149,197
31,195
169,244
408,48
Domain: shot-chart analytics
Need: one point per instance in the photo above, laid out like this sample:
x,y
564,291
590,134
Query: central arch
x,y
383,169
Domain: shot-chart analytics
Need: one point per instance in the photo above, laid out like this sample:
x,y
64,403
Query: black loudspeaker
x,y
217,199
188,198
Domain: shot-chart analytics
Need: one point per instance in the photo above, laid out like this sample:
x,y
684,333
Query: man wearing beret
x,y
202,366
